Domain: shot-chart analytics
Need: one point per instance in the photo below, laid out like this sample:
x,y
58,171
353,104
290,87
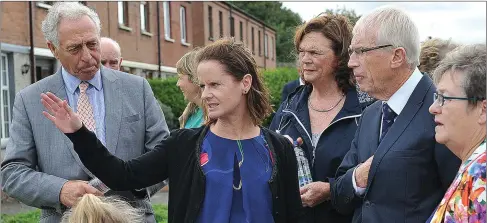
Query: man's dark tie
x,y
388,116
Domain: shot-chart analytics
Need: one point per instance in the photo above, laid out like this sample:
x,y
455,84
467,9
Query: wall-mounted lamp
x,y
25,68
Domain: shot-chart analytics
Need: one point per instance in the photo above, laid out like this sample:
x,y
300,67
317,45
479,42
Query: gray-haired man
x,y
111,54
394,171
41,168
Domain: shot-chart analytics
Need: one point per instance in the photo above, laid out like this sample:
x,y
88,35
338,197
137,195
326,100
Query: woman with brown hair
x,y
192,116
230,170
322,114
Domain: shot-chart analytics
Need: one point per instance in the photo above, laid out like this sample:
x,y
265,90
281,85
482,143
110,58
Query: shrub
x,y
275,80
171,120
166,91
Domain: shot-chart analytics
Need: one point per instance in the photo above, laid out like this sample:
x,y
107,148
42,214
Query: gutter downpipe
x,y
158,40
32,57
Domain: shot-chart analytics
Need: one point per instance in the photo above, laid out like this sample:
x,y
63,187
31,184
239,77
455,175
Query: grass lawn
x,y
33,216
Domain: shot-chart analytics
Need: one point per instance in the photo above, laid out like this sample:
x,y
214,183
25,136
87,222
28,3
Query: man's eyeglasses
x,y
441,98
361,50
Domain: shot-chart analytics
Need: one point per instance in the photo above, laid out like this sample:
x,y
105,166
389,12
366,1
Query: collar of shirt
x,y
71,82
301,82
399,99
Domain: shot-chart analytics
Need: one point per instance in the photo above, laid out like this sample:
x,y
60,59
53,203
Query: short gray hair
x,y
113,42
470,62
69,10
394,26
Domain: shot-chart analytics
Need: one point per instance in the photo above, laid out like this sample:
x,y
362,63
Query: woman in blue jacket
x,y
324,112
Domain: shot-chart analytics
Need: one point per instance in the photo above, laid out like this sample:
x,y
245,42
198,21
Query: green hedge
x,y
275,80
34,216
169,94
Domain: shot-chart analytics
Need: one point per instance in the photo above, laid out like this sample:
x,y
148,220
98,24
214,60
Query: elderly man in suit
x,y
394,171
111,54
40,168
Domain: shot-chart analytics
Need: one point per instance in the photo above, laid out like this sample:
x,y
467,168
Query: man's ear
x,y
398,57
120,63
53,49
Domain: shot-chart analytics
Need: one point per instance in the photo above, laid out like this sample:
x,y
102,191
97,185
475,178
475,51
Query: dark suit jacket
x,y
289,88
410,172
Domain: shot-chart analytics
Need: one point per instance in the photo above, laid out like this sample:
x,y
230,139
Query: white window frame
x,y
4,89
183,25
266,45
142,16
167,21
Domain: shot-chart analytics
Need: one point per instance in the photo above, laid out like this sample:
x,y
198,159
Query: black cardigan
x,y
177,158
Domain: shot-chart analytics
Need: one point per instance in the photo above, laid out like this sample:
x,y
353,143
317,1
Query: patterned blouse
x,y
465,200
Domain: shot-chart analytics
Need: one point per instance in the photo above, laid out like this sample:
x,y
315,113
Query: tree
x,y
350,14
280,18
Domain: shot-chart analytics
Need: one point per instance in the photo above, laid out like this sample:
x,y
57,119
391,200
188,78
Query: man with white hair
x,y
111,54
40,168
395,171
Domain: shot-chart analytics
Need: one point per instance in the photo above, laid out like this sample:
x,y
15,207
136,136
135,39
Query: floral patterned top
x,y
465,200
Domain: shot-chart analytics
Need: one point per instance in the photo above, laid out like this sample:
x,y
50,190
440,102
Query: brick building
x,y
152,35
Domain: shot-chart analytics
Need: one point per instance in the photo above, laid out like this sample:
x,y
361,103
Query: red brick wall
x,y
172,52
135,45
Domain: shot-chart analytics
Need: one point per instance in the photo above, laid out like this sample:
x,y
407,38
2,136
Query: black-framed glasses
x,y
441,98
361,50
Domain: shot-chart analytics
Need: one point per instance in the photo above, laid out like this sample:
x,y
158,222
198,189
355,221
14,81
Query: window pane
x,y
5,114
210,21
167,20
258,39
220,22
3,72
265,45
5,98
120,13
241,31
142,16
146,16
7,133
252,37
232,27
4,63
126,13
182,19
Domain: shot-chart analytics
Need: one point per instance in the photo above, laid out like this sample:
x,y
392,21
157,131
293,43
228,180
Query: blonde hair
x,y
432,52
94,209
187,66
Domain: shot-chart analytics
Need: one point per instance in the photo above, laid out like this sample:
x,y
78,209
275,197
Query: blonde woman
x,y
94,209
192,116
432,52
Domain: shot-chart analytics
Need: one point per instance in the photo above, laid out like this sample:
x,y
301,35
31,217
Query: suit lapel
x,y
403,120
57,87
113,108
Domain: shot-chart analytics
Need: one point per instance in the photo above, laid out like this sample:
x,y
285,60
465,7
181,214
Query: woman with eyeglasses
x,y
460,116
322,115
